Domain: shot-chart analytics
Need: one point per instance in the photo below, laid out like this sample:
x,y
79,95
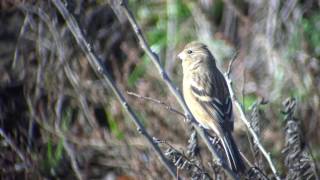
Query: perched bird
x,y
206,94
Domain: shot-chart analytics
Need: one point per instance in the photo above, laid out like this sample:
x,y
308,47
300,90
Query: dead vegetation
x,y
60,116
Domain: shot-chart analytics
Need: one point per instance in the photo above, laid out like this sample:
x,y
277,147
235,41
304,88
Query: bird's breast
x,y
194,105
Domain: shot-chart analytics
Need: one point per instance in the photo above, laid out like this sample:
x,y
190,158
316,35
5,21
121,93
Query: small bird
x,y
206,94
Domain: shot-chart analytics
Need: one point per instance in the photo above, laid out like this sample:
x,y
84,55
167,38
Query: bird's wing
x,y
215,100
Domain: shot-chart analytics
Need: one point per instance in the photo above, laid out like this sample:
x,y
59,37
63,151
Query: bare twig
x,y
23,29
174,90
108,82
231,63
73,160
74,80
12,145
246,122
168,107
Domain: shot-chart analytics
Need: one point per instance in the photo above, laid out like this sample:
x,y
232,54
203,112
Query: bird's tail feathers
x,y
233,154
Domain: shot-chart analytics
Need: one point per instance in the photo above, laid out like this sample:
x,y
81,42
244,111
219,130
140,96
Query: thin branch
x,y
73,160
174,90
246,122
108,82
231,63
23,29
74,81
12,145
168,107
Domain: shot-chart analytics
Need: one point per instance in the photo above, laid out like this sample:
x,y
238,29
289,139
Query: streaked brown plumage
x,y
206,94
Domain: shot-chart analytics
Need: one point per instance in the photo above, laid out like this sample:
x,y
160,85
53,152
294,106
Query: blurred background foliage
x,y
41,105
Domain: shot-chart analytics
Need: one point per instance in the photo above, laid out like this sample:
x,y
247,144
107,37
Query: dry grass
x,y
58,119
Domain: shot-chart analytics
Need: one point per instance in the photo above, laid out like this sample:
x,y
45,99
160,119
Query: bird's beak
x,y
181,56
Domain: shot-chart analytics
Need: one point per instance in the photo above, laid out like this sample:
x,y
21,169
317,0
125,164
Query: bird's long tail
x,y
233,154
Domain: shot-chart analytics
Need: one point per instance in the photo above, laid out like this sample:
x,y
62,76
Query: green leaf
x,y
49,152
183,10
248,101
59,151
66,119
54,155
311,29
115,130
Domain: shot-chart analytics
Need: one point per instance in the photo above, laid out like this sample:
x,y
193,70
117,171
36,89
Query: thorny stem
x,y
246,122
108,82
174,90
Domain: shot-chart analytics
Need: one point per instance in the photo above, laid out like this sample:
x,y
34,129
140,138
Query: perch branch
x,y
108,82
174,90
246,122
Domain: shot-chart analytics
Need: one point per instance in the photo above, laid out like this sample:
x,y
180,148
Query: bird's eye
x,y
189,51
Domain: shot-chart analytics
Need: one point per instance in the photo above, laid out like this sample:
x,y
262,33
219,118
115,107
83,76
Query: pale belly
x,y
198,112
194,106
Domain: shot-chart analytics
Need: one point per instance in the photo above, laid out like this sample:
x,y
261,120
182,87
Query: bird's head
x,y
196,56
